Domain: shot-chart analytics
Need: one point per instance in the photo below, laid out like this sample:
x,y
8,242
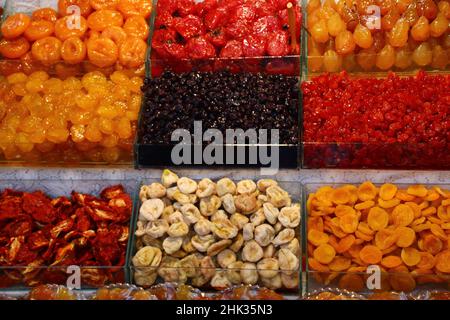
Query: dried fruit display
x,y
248,292
364,35
216,234
41,236
333,294
52,292
403,230
107,35
220,100
394,122
122,292
71,120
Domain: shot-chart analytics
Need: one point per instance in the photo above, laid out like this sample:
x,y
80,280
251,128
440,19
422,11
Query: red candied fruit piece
x,y
39,207
277,44
244,12
265,25
254,46
217,37
233,49
200,48
217,17
189,26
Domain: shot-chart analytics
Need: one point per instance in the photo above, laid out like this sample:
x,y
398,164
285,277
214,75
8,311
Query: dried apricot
x,y
15,25
377,219
385,238
315,223
428,211
402,215
136,26
116,34
432,195
438,232
443,214
370,254
354,250
405,237
47,50
135,7
417,190
13,49
388,191
404,196
340,264
102,52
39,29
391,262
64,7
365,205
386,204
410,256
340,196
47,14
443,261
102,19
367,191
73,50
70,27
324,253
317,266
364,228
402,280
317,238
346,243
363,236
342,210
352,282
132,52
415,207
427,261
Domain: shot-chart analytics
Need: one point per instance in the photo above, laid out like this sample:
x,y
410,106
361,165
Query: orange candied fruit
x,y
70,26
15,25
39,29
135,7
47,14
132,52
15,48
73,50
64,7
102,19
47,50
102,52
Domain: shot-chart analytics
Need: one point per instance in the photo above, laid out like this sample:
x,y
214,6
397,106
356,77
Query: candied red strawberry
x,y
164,20
200,48
184,7
233,49
237,30
176,50
189,26
169,6
160,38
215,18
265,25
202,8
263,8
217,37
245,12
278,43
254,46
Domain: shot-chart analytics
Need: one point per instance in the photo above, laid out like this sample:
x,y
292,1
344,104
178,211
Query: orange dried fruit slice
x,y
427,261
446,226
429,211
443,213
438,232
317,237
391,262
364,205
353,190
370,254
315,223
386,204
377,219
104,18
418,221
402,215
15,25
421,227
417,190
364,228
337,231
70,27
415,207
390,249
349,222
39,29
340,196
332,240
132,52
445,202
346,243
405,237
317,266
423,205
443,261
104,4
324,193
363,236
444,193
385,238
410,256
136,26
102,52
47,14
367,191
404,196
73,50
324,253
352,282
340,264
402,280
432,195
118,35
135,7
388,191
14,49
47,50
435,220
354,250
342,210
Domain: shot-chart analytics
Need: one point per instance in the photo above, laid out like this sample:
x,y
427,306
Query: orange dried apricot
x,y
367,191
315,223
364,205
435,220
410,256
417,190
116,34
388,191
39,29
364,228
402,215
47,14
340,196
370,254
385,238
427,261
353,190
443,214
73,50
352,282
317,238
324,253
333,241
70,27
386,204
83,5
342,210
405,237
363,236
136,26
102,52
377,219
102,19
15,25
13,49
438,232
391,262
47,50
104,4
340,264
132,52
415,208
135,7
402,280
317,266
346,243
432,195
443,261
429,211
404,196
389,249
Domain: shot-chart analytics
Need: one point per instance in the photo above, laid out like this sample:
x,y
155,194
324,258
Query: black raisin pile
x,y
221,100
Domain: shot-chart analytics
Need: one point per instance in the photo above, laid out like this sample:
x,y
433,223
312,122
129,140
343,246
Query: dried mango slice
x,y
340,196
417,190
443,261
349,222
317,237
404,196
402,215
324,253
367,191
386,204
365,205
429,211
364,228
415,207
443,213
385,238
342,210
377,219
427,261
402,280
388,191
315,223
352,282
317,266
405,237
410,256
370,254
363,236
340,264
391,262
438,232
346,243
